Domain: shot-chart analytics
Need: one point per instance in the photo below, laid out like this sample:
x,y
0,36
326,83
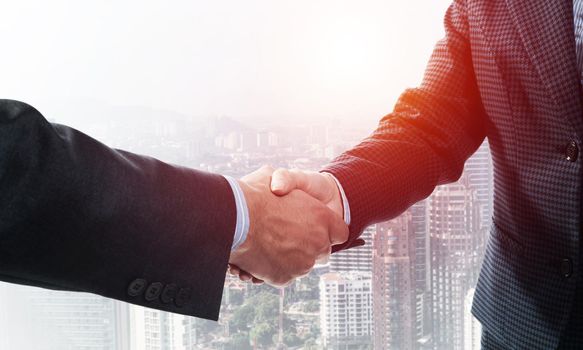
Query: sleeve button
x,y
169,293
153,291
136,287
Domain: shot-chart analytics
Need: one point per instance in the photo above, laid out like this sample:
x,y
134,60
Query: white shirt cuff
x,y
242,226
344,199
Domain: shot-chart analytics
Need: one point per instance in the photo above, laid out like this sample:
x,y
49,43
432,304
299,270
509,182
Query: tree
x,y
266,307
239,341
262,334
312,306
291,339
243,318
259,316
310,344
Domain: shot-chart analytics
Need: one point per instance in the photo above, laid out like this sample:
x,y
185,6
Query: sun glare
x,y
347,50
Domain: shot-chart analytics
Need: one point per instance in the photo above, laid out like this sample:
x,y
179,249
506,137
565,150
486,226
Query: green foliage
x,y
291,339
238,341
312,306
243,318
266,307
306,288
259,318
262,334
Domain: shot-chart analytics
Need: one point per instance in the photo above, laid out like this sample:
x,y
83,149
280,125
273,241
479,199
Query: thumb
x,y
337,229
282,182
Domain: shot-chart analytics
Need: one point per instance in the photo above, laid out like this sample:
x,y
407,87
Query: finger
x,y
257,281
318,185
282,182
244,276
305,181
234,270
337,229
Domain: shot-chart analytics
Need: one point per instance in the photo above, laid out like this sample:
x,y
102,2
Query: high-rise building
x,y
191,333
479,172
457,239
393,281
19,319
472,327
355,259
420,264
59,320
266,140
155,330
346,310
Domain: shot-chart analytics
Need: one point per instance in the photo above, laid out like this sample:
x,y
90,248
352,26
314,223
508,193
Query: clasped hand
x,y
295,218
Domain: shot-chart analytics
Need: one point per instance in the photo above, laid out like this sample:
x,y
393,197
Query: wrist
x,y
242,214
335,202
340,199
250,195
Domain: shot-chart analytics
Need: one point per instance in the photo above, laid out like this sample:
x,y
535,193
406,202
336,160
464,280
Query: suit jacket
x,y
505,70
76,215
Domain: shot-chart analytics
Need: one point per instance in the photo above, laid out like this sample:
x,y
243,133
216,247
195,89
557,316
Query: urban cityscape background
x,y
227,86
409,287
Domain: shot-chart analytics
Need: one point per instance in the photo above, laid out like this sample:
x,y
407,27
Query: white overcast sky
x,y
304,58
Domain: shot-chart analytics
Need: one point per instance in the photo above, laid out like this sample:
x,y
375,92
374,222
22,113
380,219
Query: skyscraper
x,y
59,320
346,310
393,281
156,330
355,259
420,264
479,172
457,239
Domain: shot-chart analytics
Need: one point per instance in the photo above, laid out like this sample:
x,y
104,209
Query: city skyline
x,y
408,276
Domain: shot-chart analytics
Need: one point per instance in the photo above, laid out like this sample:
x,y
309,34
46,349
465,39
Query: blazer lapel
x,y
547,31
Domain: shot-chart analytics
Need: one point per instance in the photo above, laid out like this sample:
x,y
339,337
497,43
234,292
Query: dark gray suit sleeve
x,y
77,215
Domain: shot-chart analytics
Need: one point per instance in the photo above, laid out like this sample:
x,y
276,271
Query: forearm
x,y
81,216
424,142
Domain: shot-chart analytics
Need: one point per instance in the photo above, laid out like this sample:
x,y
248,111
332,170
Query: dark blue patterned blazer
x,y
506,70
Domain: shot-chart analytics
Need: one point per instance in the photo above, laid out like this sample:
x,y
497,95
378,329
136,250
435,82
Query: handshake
x,y
295,218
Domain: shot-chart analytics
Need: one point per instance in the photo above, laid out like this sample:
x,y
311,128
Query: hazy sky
x,y
218,57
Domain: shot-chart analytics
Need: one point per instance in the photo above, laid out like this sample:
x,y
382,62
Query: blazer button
x,y
566,267
153,291
572,151
136,287
169,293
183,297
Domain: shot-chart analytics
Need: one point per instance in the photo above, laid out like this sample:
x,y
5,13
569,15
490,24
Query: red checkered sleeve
x,y
424,142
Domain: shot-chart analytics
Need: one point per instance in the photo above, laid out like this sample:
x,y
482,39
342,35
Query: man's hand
x,y
321,186
287,234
